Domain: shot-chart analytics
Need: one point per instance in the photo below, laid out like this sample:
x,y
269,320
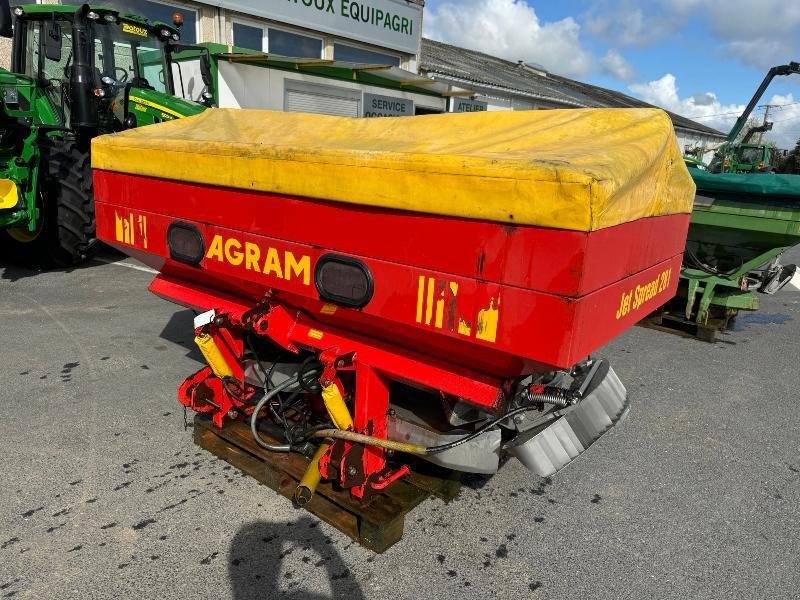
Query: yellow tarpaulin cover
x,y
569,169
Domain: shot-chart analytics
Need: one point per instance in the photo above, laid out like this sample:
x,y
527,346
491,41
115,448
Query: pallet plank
x,y
679,325
376,525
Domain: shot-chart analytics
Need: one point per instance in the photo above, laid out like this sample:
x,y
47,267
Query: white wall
x,y
691,139
247,86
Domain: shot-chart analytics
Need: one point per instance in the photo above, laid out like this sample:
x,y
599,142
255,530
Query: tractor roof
x,y
62,9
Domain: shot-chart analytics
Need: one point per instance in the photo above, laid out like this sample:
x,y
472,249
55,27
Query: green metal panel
x,y
19,159
740,223
743,186
364,74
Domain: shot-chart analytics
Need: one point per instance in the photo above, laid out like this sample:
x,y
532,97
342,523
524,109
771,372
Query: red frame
x,y
459,307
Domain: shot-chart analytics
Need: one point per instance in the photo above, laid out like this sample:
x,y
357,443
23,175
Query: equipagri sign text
x,y
387,23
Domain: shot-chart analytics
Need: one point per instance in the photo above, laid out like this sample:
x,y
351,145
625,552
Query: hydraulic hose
x,y
359,438
409,448
306,369
254,417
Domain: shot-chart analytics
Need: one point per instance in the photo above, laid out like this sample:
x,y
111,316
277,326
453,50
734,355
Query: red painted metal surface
x,y
459,307
294,331
567,263
529,279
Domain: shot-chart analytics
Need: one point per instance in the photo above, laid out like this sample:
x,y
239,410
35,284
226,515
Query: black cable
x,y
707,268
537,398
254,417
310,366
268,375
225,381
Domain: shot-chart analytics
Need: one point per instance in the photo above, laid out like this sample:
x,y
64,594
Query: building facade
x,y
378,36
364,31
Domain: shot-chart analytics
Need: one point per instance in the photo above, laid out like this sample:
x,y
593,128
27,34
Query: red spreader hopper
x,y
371,289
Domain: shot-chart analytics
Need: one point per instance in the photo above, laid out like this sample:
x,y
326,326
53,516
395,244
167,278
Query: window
x,y
287,43
245,36
53,73
276,41
129,58
302,96
361,55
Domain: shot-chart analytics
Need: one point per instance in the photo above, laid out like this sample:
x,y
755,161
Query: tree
x,y
791,162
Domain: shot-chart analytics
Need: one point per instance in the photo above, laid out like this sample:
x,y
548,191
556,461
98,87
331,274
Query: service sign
x,y
394,24
376,105
469,105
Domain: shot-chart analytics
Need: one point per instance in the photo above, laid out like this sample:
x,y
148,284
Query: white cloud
x,y
708,110
627,23
615,65
760,34
510,29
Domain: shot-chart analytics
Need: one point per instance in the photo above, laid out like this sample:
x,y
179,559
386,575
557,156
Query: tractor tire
x,y
66,233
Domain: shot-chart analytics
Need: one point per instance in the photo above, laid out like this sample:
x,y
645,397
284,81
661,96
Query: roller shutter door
x,y
302,96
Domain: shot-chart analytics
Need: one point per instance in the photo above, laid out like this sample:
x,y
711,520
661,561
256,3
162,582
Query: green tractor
x,y
742,156
746,157
76,72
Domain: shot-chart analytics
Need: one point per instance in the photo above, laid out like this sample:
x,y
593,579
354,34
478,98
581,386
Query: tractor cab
x,y
751,158
99,69
76,72
743,158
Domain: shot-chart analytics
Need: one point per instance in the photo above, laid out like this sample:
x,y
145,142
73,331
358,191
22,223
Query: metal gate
x,y
302,96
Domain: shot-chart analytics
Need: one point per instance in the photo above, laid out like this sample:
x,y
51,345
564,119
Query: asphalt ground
x,y
104,495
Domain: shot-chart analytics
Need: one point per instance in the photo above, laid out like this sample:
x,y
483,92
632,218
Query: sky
x,y
699,58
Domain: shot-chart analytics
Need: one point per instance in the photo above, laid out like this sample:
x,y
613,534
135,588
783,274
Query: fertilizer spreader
x,y
741,225
375,292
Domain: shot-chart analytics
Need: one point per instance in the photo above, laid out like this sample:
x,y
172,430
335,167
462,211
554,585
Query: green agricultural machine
x,y
76,72
741,224
745,157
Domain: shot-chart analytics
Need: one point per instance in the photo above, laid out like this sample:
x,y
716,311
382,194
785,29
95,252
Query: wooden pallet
x,y
680,325
376,525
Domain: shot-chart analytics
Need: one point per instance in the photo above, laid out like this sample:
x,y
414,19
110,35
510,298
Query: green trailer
x,y
744,217
741,224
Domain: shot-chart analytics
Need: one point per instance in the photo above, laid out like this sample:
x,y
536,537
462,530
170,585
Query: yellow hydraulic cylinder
x,y
340,415
337,409
213,356
311,478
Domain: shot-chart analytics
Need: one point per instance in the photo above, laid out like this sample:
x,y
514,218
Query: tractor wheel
x,y
65,235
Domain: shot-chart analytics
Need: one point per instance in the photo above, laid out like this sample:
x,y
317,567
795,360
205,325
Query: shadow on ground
x,y
259,548
12,273
15,270
180,330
